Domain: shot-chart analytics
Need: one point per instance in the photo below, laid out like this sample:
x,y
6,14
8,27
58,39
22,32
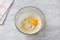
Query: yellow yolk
x,y
34,22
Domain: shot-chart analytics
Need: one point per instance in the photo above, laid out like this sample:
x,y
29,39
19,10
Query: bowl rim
x,y
32,7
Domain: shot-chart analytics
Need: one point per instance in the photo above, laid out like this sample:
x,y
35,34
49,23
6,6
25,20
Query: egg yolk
x,y
34,22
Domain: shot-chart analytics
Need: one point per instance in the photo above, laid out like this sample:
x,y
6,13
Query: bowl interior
x,y
25,10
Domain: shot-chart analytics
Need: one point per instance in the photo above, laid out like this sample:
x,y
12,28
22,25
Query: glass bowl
x,y
25,10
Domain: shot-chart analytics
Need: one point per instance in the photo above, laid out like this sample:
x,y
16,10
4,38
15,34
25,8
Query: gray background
x,y
51,31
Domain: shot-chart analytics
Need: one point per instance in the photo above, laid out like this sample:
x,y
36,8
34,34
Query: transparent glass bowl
x,y
26,9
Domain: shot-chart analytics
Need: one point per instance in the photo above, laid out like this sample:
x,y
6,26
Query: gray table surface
x,y
51,31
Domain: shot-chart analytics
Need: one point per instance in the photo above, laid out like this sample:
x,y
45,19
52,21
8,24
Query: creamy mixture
x,y
30,23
